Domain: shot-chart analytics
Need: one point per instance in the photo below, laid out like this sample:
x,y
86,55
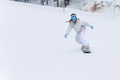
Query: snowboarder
x,y
80,28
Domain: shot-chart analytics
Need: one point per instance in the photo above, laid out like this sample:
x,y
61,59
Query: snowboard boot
x,y
86,49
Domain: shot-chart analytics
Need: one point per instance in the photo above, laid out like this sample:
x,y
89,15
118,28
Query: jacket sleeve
x,y
87,24
69,29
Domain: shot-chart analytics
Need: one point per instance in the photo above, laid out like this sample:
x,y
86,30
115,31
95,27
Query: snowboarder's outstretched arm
x,y
68,30
88,25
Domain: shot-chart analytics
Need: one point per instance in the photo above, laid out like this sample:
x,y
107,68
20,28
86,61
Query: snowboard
x,y
85,50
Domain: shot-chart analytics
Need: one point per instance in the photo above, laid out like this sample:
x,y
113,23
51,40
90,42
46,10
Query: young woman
x,y
80,28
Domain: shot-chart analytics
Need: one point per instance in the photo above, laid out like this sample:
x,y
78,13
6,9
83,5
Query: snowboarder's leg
x,y
80,39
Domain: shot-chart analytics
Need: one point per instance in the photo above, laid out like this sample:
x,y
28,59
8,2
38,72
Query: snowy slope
x,y
103,6
33,47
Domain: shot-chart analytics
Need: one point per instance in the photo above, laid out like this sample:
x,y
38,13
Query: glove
x,y
65,35
91,27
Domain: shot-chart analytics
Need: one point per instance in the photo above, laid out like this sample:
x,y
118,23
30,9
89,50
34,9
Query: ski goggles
x,y
73,18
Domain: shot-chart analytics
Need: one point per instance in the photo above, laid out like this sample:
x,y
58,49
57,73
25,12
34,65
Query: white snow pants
x,y
80,38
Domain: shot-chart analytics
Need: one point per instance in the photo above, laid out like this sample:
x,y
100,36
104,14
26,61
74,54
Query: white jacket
x,y
78,26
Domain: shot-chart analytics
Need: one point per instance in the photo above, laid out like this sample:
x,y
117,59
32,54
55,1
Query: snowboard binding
x,y
85,49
